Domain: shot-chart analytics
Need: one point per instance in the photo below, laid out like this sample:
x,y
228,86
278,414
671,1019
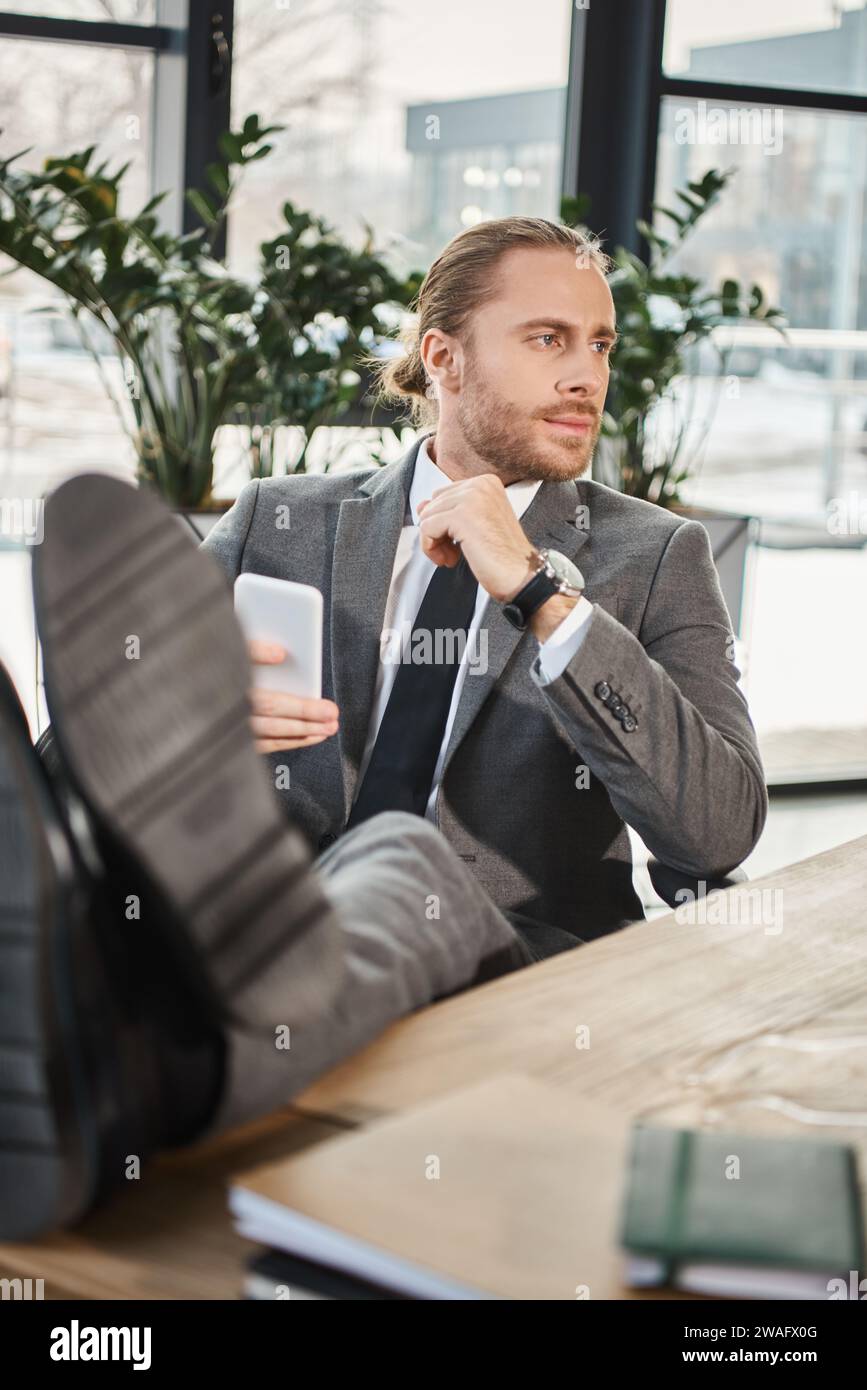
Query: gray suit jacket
x,y
649,704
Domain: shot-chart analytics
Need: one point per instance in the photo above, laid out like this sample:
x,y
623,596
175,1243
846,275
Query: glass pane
x,y
56,98
787,422
820,45
55,415
120,11
418,119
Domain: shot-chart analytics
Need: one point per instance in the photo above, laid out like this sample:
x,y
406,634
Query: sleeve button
x,y
603,690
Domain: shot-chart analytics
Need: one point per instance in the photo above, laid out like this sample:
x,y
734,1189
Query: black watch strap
x,y
520,609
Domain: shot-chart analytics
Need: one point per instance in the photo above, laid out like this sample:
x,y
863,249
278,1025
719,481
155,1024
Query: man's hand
x,y
280,722
476,517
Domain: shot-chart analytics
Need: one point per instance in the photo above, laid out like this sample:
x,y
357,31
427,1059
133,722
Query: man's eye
x,y
605,346
540,336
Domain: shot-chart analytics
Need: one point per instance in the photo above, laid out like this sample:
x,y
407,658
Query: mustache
x,y
560,411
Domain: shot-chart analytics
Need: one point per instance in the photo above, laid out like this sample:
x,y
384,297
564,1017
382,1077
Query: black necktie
x,y
401,768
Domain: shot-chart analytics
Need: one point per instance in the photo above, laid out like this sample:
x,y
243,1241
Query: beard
x,y
509,440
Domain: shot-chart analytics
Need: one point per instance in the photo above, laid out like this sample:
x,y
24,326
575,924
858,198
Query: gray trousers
x,y
417,927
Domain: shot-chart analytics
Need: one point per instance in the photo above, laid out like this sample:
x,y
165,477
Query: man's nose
x,y
585,377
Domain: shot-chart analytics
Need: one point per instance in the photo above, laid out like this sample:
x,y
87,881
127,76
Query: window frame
x,y
618,114
615,89
191,44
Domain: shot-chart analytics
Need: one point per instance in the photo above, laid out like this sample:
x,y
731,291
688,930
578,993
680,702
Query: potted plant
x,y
663,318
201,347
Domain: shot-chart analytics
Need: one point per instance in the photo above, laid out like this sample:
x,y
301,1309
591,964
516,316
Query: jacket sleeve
x,y
226,540
661,721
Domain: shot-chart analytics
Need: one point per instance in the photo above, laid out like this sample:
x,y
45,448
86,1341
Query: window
x,y
788,442
55,416
56,98
793,220
418,120
118,11
814,45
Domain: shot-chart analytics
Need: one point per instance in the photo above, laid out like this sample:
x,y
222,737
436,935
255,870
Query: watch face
x,y
565,570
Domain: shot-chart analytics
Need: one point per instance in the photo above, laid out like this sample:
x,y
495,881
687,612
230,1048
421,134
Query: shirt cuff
x,y
558,650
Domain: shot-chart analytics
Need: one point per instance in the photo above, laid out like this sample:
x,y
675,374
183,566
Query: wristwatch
x,y
554,574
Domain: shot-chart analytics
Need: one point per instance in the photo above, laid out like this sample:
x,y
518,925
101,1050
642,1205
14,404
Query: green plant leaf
x,y
201,205
574,209
231,145
668,212
218,178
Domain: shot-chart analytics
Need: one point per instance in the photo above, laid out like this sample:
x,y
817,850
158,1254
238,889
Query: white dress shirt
x,y
410,577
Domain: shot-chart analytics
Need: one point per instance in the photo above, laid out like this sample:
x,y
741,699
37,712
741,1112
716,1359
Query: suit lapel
x,y
368,529
549,521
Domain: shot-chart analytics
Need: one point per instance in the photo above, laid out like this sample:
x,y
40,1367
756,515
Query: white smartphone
x,y
278,610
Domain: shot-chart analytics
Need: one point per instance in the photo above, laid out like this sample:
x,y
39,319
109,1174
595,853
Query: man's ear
x,y
443,358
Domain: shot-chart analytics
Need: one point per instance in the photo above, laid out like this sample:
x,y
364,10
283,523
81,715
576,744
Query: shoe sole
x,y
147,678
48,1146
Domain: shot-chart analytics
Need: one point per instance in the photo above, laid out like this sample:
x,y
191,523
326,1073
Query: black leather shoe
x,y
146,679
102,1053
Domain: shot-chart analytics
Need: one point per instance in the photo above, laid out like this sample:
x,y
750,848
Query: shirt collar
x,y
427,476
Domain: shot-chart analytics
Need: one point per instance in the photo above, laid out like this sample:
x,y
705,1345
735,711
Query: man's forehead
x,y
532,282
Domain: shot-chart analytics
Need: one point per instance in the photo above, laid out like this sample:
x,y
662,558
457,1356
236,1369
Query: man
x,y
164,933
617,706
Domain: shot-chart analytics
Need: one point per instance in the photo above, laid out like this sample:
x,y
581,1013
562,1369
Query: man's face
x,y
536,368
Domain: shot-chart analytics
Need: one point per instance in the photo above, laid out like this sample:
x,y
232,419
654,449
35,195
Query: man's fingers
x,y
441,550
283,706
436,542
265,653
291,728
277,745
486,483
446,501
437,523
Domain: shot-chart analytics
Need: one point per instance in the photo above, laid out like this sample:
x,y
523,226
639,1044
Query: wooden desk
x,y
661,999
760,1024
171,1237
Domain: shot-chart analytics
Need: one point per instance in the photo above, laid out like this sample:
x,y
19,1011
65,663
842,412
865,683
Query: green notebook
x,y
738,1214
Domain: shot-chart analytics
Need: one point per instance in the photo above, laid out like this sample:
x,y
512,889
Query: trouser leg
x,y
417,927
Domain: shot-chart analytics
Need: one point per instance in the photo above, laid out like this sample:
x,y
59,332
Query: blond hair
x,y
459,281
